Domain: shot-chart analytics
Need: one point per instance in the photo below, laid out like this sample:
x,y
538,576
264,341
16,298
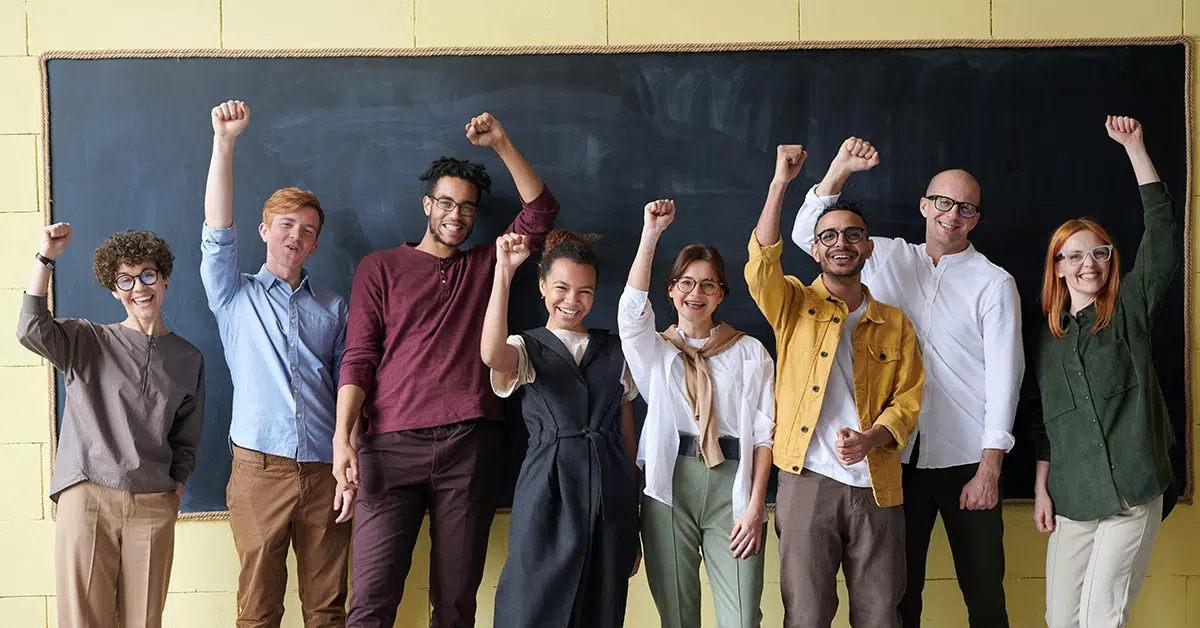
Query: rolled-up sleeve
x,y
218,266
642,345
536,218
1004,365
764,416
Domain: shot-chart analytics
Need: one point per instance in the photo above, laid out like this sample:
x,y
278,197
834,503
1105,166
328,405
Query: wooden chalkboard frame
x,y
1188,103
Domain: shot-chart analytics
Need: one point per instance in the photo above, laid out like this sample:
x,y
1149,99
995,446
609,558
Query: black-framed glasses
x,y
708,287
148,277
852,235
445,203
945,204
1101,253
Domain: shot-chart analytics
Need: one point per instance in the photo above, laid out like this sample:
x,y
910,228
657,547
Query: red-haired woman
x,y
1102,443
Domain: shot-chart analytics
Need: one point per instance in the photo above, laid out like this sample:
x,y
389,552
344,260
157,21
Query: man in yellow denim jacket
x,y
848,393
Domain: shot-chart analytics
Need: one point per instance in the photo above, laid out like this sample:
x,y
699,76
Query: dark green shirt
x,y
1104,426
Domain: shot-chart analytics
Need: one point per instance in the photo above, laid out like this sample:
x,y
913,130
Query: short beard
x,y
828,270
437,238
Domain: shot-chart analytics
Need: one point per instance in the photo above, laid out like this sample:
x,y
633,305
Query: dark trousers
x,y
452,472
976,542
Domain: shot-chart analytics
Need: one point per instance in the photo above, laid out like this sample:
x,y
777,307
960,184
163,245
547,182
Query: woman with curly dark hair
x,y
133,416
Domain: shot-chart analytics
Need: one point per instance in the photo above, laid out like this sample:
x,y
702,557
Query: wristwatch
x,y
45,260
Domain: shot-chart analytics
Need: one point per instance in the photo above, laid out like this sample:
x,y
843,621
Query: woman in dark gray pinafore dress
x,y
573,542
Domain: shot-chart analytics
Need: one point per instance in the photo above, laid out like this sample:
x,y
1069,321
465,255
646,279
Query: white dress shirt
x,y
839,410
743,381
967,315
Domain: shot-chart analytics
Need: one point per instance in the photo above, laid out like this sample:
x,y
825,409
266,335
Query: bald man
x,y
968,320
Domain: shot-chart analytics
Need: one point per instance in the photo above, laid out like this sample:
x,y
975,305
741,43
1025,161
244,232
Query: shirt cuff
x,y
31,304
824,201
770,253
545,202
998,439
219,236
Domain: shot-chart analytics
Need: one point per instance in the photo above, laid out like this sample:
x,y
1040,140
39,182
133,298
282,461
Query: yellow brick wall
x,y
204,581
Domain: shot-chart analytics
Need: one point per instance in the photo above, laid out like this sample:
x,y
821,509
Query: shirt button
x,y
292,344
836,319
816,388
795,468
804,429
811,312
824,355
1085,397
882,356
1081,372
295,390
293,367
298,415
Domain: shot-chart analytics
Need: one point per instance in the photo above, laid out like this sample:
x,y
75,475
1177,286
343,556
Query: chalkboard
x,y
129,143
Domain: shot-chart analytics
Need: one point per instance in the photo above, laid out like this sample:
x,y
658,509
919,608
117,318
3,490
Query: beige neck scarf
x,y
698,378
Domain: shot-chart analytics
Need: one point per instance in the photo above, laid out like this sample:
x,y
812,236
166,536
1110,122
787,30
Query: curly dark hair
x,y
132,248
563,244
459,169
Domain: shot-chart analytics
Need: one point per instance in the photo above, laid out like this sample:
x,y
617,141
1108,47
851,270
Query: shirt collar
x,y
269,279
874,313
953,258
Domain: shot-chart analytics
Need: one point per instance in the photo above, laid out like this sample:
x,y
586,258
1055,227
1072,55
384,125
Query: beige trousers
x,y
1094,569
112,556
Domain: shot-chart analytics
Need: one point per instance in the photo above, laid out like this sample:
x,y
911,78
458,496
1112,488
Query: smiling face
x,y
568,289
143,302
1086,279
450,227
694,305
842,258
948,229
291,238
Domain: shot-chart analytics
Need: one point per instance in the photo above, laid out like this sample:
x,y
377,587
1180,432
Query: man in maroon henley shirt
x,y
417,424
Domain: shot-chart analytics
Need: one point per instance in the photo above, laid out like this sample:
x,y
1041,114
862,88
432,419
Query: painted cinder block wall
x,y
204,581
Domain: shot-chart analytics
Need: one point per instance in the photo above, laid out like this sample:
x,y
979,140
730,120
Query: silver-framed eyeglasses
x,y
1102,253
445,203
708,287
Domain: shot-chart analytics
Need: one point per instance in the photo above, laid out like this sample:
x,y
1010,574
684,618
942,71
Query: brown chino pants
x,y
112,556
275,502
822,525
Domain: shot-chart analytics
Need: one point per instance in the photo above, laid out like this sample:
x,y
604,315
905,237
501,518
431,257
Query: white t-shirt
x,y
839,410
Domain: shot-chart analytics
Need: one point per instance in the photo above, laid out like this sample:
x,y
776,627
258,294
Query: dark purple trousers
x,y
453,473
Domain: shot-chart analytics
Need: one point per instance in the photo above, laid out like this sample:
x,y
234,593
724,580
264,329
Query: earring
x,y
542,297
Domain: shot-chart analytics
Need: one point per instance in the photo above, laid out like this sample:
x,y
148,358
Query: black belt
x,y
730,447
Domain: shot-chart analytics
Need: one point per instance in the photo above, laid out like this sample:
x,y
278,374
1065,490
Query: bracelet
x,y
45,260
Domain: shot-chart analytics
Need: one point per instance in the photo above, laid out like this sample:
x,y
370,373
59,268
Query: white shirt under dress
x,y
967,315
576,342
743,381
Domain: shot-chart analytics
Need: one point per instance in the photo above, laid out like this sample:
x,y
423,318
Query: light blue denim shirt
x,y
283,348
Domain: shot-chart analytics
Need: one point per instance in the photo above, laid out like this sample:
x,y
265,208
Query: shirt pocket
x,y
882,364
1110,370
319,332
1057,398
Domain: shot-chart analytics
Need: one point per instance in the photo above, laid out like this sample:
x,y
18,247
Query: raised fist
x,y
659,215
230,118
1124,130
511,250
857,155
55,239
789,158
484,130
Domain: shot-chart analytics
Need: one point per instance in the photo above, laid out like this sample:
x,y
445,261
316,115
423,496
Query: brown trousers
x,y
273,502
113,552
823,524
